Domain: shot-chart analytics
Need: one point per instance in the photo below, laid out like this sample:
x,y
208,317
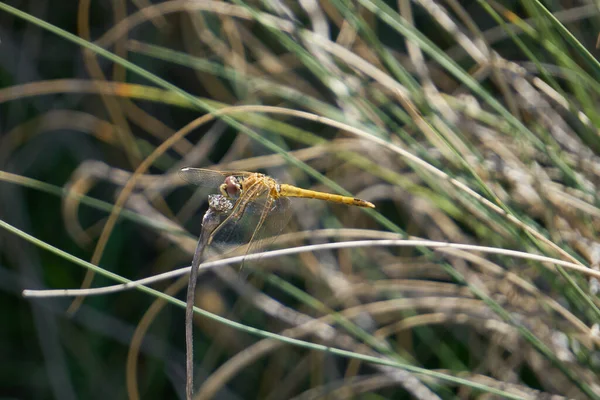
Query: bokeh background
x,y
467,122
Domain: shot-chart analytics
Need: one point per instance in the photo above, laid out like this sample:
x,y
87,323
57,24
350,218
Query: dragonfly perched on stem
x,y
243,194
259,195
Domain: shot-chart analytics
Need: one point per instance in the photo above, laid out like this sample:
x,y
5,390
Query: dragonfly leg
x,y
223,190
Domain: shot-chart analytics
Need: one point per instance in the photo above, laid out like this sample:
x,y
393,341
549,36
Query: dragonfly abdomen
x,y
293,191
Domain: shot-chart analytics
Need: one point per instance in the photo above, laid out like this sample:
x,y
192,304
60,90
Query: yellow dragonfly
x,y
258,195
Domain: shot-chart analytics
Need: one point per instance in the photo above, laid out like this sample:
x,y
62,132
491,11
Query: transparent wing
x,y
208,177
270,225
253,226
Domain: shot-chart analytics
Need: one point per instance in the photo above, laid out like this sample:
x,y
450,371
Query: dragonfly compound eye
x,y
232,187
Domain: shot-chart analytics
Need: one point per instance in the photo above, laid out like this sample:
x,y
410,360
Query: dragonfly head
x,y
231,188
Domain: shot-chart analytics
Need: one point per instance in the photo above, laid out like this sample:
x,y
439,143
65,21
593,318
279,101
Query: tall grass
x,y
471,125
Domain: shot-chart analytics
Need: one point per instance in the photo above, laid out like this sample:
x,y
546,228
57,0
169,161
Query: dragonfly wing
x,y
270,225
237,228
208,177
279,206
254,228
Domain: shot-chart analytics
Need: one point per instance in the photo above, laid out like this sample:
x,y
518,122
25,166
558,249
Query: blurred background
x,y
467,122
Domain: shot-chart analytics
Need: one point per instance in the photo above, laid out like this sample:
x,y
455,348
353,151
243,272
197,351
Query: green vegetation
x,y
472,126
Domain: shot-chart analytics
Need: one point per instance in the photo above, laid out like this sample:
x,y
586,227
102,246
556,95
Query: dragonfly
x,y
253,203
261,204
